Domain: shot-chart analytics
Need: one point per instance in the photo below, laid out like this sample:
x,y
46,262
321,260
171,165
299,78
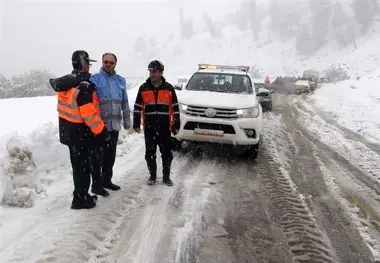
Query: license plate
x,y
209,132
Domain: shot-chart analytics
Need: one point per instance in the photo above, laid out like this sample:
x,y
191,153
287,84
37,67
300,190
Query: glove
x,y
105,135
174,131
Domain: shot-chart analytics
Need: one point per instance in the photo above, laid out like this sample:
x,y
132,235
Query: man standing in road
x,y
80,125
157,104
114,106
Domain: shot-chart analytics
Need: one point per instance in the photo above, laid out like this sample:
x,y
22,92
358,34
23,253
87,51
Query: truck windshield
x,y
220,82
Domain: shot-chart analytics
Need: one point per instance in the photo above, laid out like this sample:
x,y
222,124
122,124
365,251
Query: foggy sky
x,y
43,34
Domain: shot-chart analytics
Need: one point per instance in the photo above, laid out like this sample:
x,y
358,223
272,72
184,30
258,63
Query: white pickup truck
x,y
219,105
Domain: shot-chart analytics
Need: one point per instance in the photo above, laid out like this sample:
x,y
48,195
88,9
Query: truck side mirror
x,y
178,86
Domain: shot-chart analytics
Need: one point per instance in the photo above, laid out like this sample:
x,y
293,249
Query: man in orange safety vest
x,y
80,125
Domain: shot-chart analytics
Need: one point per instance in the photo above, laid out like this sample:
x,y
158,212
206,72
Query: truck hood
x,y
216,99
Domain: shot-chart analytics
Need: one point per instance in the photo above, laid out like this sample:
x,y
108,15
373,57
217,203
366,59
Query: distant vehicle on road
x,y
264,95
302,86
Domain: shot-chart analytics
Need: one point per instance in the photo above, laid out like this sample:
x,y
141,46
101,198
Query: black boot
x,y
151,180
111,186
166,175
167,181
99,190
152,167
83,201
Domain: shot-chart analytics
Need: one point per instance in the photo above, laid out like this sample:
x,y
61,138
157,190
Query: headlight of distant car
x,y
248,112
182,108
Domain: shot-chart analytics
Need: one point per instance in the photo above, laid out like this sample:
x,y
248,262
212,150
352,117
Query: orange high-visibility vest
x,y
89,113
163,105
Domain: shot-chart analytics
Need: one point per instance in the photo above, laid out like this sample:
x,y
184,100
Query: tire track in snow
x,y
363,162
188,240
322,176
348,160
346,182
253,236
71,237
285,147
344,187
213,238
288,208
313,182
360,174
144,235
306,241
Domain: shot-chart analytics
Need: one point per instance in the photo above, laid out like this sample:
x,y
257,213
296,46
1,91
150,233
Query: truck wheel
x,y
252,152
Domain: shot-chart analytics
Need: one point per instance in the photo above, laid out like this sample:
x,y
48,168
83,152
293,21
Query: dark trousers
x,y
163,140
81,165
96,158
109,156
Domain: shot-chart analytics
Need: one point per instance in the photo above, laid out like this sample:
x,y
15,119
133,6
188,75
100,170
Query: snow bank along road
x,y
313,195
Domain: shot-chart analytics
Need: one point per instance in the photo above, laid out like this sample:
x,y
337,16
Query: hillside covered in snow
x,y
275,37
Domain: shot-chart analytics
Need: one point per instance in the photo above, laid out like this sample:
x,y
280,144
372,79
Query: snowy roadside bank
x,y
354,105
364,180
356,152
32,160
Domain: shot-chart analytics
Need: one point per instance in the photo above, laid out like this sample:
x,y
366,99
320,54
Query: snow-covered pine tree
x,y
186,25
304,40
254,18
320,20
210,26
341,25
364,11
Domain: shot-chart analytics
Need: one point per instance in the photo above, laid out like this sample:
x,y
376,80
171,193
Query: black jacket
x,y
78,133
157,121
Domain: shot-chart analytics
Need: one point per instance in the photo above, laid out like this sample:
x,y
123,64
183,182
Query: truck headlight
x,y
248,112
182,108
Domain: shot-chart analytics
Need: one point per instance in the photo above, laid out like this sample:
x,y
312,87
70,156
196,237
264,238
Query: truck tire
x,y
252,152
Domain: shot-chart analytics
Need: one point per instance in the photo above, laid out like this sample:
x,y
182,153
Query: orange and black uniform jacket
x,y
157,107
80,121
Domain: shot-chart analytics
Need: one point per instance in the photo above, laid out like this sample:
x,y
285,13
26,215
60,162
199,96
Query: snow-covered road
x,y
313,195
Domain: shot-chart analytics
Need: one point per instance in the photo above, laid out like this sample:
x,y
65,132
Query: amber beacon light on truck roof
x,y
223,67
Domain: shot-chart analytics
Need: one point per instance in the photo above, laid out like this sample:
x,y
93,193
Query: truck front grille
x,y
221,113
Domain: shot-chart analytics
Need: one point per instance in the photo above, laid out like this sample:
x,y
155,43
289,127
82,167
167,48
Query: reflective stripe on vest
x,y
161,106
69,110
67,106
